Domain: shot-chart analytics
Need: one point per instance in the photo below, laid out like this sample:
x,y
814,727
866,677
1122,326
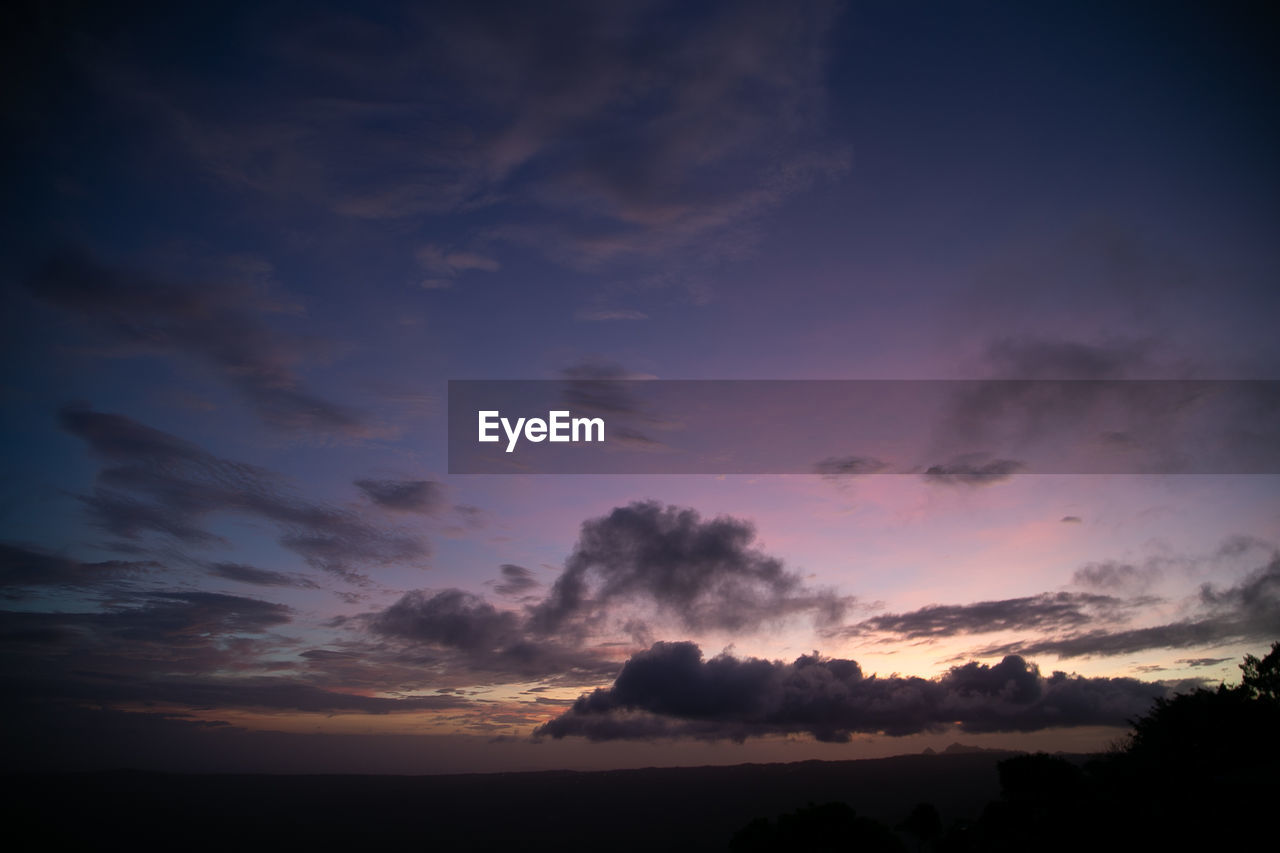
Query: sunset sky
x,y
249,244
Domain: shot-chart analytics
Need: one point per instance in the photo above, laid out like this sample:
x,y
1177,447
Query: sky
x,y
248,245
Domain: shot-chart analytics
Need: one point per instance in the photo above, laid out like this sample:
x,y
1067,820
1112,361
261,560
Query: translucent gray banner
x,y
961,432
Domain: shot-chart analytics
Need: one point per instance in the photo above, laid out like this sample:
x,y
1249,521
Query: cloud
x,y
972,470
848,466
460,636
1073,407
516,581
1247,611
21,566
241,573
445,265
601,387
1112,575
1046,611
1040,358
192,614
278,694
451,618
451,262
423,496
677,140
669,690
704,574
156,482
155,633
593,133
1199,662
604,315
1077,624
1071,519
190,649
220,325
250,693
641,561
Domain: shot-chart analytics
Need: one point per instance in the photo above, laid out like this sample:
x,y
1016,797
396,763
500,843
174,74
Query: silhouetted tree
x,y
816,829
1039,780
1262,677
1214,733
1199,769
1190,770
923,824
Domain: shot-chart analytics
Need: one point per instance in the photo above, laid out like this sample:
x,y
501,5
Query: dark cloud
x,y
220,325
1071,519
1198,662
461,636
1236,546
595,133
196,651
451,618
443,265
1247,611
21,566
172,615
1036,358
1074,407
602,388
258,577
1044,388
159,483
516,581
973,470
641,558
256,692
1113,575
1176,635
157,634
671,691
604,315
422,496
704,574
1045,612
1256,599
848,466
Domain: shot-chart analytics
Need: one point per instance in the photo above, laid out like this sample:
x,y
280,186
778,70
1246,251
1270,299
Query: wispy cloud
x,y
596,134
604,315
516,581
1045,612
255,576
220,325
22,566
972,471
1246,611
157,483
444,266
420,496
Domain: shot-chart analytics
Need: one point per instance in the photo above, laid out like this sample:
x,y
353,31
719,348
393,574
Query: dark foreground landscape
x,y
696,808
960,800
1200,769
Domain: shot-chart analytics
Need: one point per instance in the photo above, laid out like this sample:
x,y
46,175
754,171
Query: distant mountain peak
x,y
962,749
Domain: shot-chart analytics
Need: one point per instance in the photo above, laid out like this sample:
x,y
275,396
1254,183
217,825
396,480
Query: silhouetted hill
x,y
962,749
662,808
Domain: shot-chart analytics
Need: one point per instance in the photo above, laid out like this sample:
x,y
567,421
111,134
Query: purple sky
x,y
249,244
